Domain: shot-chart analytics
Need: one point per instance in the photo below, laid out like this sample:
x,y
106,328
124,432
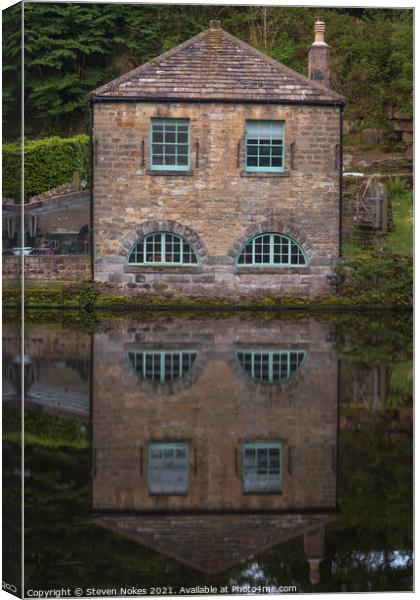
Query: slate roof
x,y
213,543
216,65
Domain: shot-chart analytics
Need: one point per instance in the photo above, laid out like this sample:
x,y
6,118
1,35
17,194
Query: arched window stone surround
x,y
272,226
168,226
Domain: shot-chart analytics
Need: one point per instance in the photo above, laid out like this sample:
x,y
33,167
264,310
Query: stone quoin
x,y
216,174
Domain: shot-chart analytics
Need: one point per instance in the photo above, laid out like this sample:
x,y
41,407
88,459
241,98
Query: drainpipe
x,y
340,243
91,175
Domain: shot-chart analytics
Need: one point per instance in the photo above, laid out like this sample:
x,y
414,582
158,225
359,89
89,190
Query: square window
x,y
264,145
170,144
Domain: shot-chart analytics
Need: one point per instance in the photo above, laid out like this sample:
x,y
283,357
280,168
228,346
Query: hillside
x,y
72,48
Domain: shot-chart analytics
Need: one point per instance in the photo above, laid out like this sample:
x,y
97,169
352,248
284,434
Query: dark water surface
x,y
243,451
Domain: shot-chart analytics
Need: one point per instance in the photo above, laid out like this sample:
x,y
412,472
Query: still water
x,y
244,452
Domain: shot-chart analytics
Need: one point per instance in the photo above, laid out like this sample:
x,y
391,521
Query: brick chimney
x,y
319,56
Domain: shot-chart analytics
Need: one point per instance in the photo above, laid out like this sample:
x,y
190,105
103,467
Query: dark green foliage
x,y
12,70
73,48
45,429
378,279
87,296
49,162
65,50
375,338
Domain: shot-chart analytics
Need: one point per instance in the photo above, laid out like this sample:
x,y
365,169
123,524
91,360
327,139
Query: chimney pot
x,y
319,29
319,55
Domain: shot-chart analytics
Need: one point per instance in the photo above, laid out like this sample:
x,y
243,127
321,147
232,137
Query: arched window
x,y
161,366
162,248
273,366
272,250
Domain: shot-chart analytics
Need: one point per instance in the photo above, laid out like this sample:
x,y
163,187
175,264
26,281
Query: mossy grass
x,y
396,295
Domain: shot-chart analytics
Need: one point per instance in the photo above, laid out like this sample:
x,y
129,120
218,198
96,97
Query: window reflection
x,y
262,467
271,366
168,468
162,366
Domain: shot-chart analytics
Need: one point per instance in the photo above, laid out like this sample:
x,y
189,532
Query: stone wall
x,y
48,268
216,205
215,408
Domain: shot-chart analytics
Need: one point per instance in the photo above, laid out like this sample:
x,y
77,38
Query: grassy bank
x,y
353,293
382,274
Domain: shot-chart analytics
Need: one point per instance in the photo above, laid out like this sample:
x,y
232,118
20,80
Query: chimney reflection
x,y
215,439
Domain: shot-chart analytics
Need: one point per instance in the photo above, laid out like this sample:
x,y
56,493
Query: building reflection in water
x,y
213,440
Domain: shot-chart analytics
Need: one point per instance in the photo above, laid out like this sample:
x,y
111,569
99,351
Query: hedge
x,y
49,162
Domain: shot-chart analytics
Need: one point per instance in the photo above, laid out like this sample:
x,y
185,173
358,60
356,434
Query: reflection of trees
x,y
374,340
376,360
376,499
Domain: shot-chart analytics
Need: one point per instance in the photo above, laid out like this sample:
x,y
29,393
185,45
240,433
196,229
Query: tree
x,y
72,48
65,50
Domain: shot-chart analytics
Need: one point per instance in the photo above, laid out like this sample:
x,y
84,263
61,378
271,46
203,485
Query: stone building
x,y
213,440
217,173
